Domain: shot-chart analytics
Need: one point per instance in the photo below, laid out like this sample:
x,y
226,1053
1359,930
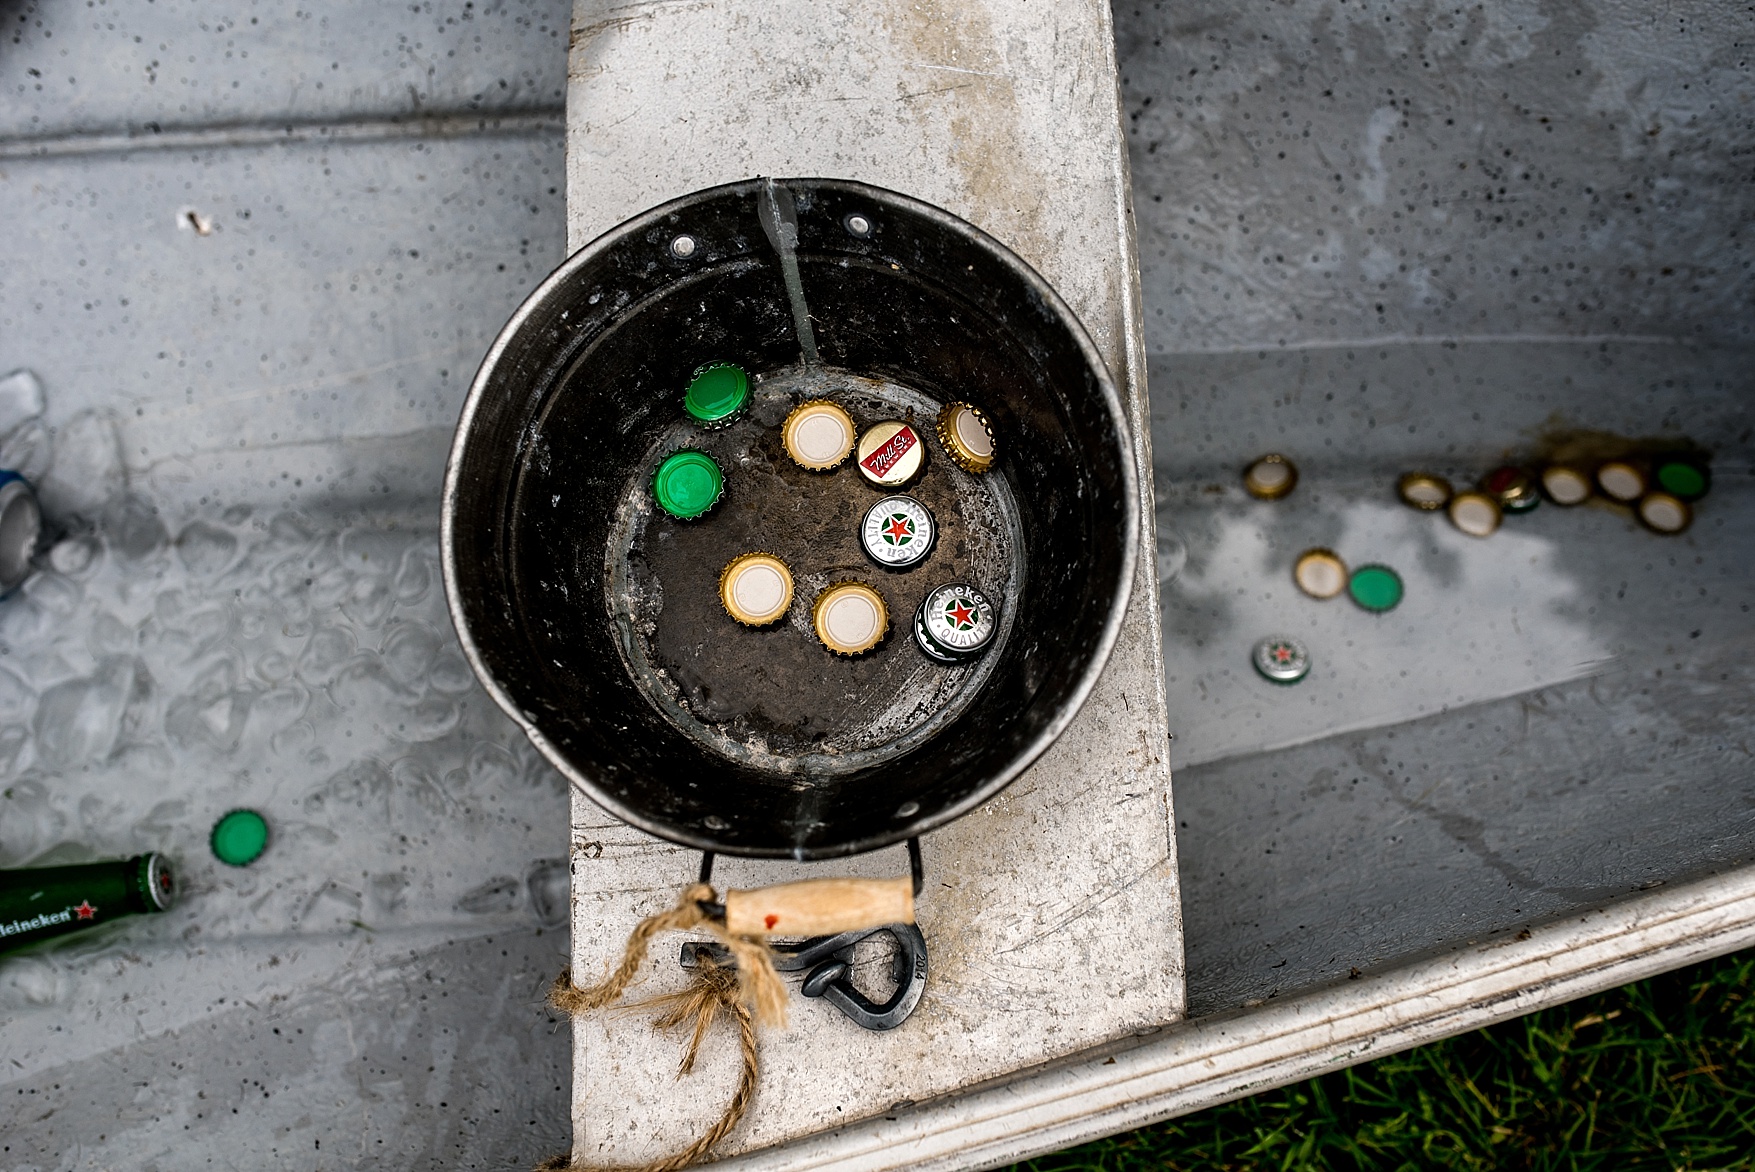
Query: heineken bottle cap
x,y
21,524
717,393
1664,512
891,454
898,532
966,436
1684,479
157,885
688,484
755,588
239,838
1282,659
955,622
850,618
1424,491
818,435
1376,588
1621,481
1475,513
1512,488
1270,478
1320,573
1565,485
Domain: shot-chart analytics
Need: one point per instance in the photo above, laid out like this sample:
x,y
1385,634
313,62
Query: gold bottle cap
x,y
891,454
1270,478
1565,485
1663,513
1424,491
818,434
850,618
1621,481
1320,573
1475,513
966,436
755,588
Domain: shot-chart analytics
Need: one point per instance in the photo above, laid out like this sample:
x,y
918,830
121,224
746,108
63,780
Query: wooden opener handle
x,y
819,907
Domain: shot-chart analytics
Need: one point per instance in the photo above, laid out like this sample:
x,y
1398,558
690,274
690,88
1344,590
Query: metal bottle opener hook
x,y
829,960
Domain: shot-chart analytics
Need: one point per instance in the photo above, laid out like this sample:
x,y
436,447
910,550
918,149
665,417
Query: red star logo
x,y
85,911
898,530
1281,653
961,615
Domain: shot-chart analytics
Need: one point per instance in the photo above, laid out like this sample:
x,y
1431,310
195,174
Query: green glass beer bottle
x,y
39,903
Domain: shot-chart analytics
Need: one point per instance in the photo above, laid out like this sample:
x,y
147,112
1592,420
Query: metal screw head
x,y
683,247
857,225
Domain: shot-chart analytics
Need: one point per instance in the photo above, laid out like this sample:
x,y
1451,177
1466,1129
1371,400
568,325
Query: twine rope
x,y
751,994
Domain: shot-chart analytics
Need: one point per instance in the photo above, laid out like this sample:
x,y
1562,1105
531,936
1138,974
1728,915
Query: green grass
x,y
1657,1075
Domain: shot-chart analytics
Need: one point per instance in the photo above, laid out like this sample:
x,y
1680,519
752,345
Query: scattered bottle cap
x,y
850,617
818,435
1424,491
891,454
898,532
1270,478
1475,513
1512,488
1375,587
1282,659
955,623
966,435
1320,573
1621,481
21,526
755,588
688,484
1665,512
717,393
1565,485
1684,479
239,838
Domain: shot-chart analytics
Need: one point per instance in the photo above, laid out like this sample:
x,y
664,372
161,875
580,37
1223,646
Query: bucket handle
x,y
820,907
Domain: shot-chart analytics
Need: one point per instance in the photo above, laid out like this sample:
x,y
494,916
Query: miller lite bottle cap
x,y
688,484
1270,478
955,623
966,436
1475,513
850,618
1320,573
755,589
718,392
1423,491
898,532
1621,481
1565,485
818,435
1664,513
891,454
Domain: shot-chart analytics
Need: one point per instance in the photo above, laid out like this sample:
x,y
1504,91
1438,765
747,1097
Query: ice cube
x,y
205,549
86,473
78,721
21,399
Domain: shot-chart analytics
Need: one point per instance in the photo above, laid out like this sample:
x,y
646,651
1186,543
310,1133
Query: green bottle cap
x,y
1682,480
239,838
687,484
1376,588
716,394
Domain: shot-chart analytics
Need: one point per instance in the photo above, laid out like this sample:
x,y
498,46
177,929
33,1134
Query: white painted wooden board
x,y
1052,912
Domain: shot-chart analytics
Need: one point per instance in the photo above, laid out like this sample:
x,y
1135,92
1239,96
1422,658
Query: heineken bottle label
x,y
959,619
898,532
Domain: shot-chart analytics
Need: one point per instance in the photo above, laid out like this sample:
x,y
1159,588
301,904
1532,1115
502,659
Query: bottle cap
x,y
687,484
1270,478
1281,659
1565,485
891,454
850,618
157,886
966,436
1512,488
1684,479
898,532
1424,491
239,838
21,525
1320,573
1621,481
755,588
1376,588
1663,512
717,393
955,622
1475,513
818,434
